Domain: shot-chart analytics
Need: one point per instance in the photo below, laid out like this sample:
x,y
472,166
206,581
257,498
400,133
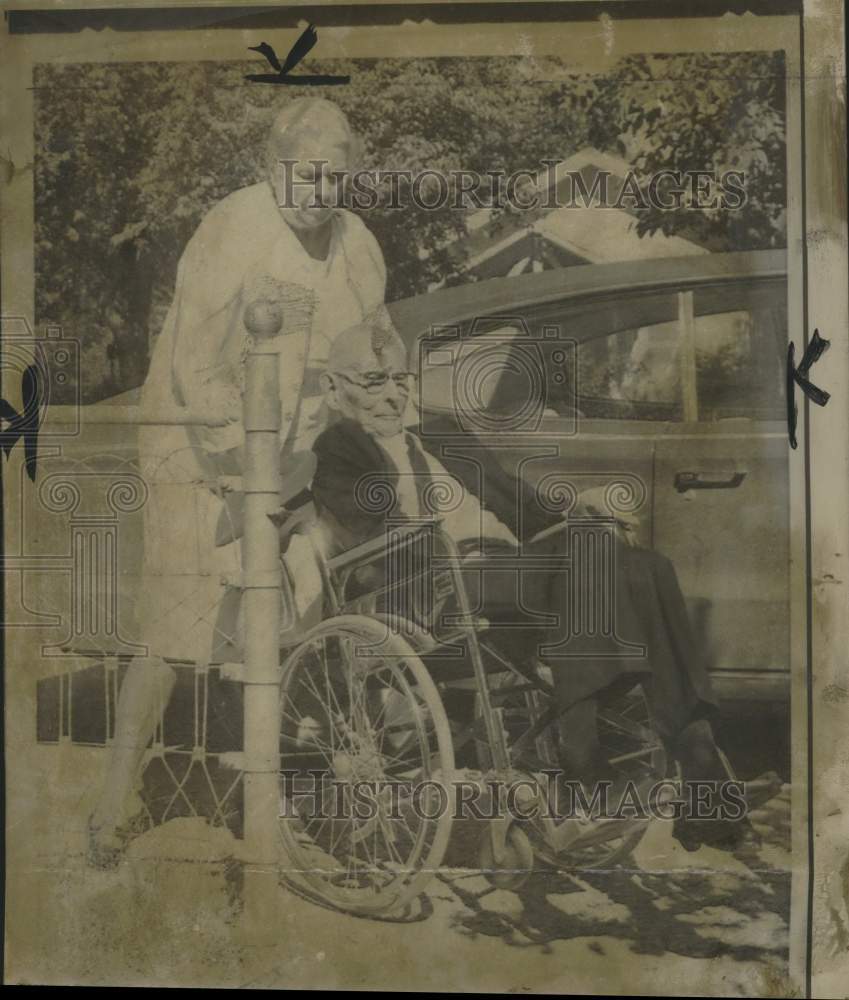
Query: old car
x,y
665,377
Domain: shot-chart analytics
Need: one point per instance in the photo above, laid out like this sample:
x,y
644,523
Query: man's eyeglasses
x,y
375,382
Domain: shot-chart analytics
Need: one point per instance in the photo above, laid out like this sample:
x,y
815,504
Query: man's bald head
x,y
369,345
367,379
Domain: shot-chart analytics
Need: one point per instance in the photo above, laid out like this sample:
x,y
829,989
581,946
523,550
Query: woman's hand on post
x,y
230,403
215,411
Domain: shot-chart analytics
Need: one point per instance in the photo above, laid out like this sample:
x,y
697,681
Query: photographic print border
x,y
818,587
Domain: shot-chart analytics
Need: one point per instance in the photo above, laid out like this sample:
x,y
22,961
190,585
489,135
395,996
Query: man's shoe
x,y
107,842
701,760
105,848
723,834
698,755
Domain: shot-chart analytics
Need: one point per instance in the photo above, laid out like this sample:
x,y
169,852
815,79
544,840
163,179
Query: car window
x,y
703,354
739,364
632,374
707,364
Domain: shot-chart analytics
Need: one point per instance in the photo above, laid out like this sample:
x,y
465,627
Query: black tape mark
x,y
25,424
281,77
798,376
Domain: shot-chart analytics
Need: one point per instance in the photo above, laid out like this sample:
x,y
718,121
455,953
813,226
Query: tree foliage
x,y
129,157
702,112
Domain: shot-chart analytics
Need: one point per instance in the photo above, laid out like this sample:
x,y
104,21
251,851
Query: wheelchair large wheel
x,y
366,767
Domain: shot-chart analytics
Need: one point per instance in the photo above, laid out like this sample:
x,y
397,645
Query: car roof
x,y
416,315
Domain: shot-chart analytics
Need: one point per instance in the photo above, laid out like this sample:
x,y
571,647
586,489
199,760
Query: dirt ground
x,y
669,921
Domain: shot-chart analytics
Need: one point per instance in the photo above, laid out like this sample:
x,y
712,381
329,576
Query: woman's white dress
x,y
191,570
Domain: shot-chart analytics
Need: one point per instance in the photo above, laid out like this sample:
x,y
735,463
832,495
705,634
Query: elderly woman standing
x,y
281,240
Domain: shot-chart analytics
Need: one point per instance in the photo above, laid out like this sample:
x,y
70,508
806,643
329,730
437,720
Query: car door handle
x,y
693,481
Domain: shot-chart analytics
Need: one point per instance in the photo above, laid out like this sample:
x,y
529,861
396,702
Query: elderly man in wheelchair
x,y
415,598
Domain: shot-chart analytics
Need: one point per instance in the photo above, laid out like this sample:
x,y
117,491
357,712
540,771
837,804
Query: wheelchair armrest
x,y
471,549
373,546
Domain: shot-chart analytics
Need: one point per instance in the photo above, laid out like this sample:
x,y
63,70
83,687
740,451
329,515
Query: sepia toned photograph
x,y
417,536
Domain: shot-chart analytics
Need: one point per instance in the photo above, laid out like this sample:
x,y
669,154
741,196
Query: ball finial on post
x,y
264,318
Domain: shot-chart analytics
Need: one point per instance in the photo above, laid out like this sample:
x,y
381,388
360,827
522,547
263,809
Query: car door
x,y
684,389
721,501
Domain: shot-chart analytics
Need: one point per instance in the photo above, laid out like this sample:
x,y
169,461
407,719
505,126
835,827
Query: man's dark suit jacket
x,y
345,453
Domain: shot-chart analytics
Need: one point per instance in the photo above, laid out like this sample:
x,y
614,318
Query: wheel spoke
x,y
625,726
314,740
634,755
367,718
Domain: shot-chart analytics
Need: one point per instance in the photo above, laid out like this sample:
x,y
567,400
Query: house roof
x,y
596,233
602,235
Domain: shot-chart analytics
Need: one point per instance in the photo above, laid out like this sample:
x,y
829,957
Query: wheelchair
x,y
399,697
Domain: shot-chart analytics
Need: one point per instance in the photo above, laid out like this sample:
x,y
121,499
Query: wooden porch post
x,y
261,575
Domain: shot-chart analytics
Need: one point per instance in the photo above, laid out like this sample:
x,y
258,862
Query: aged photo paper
x,y
425,485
